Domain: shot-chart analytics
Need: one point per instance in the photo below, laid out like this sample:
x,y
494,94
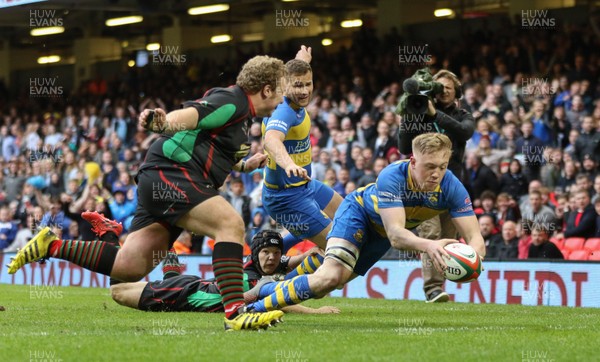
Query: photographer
x,y
458,124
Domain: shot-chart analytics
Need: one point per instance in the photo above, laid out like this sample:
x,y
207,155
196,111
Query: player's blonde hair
x,y
427,143
260,71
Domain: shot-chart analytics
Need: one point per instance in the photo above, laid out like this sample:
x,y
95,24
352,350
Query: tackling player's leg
x,y
215,217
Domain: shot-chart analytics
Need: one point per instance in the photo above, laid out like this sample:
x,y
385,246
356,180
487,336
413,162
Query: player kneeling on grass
x,y
375,217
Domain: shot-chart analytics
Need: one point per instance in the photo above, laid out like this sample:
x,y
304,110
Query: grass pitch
x,y
84,324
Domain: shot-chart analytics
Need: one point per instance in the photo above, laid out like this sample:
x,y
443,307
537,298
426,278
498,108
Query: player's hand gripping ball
x,y
464,265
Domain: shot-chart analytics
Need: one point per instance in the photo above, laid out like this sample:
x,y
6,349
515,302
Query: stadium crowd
x,y
533,160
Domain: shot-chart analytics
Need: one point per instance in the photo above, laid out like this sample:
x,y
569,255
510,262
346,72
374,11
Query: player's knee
x,y
329,282
117,292
231,229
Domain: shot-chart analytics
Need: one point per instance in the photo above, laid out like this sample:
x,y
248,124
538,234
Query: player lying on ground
x,y
302,205
189,293
199,146
375,217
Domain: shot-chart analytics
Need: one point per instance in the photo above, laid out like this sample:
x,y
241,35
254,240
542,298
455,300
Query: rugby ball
x,y
464,265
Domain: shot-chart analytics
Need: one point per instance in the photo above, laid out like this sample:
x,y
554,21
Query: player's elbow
x,y
397,243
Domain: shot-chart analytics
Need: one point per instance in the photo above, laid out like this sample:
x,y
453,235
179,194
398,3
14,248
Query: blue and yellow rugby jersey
x,y
295,124
394,188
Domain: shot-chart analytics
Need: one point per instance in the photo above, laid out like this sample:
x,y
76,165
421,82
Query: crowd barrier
x,y
573,284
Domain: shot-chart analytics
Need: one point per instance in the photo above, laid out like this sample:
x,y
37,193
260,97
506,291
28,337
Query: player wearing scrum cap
x,y
190,293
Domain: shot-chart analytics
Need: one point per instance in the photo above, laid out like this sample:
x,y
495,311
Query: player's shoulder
x,y
396,170
283,112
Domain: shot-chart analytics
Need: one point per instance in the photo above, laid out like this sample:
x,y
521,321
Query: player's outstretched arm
x,y
300,309
276,149
468,227
305,54
402,238
297,259
257,160
158,121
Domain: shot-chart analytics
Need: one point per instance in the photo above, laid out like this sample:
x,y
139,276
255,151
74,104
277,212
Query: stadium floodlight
x,y
326,42
209,9
152,47
223,38
48,59
49,30
442,13
253,37
124,20
354,23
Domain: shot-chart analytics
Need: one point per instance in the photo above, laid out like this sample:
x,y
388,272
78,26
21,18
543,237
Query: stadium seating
x,y
595,256
592,244
565,253
572,244
558,242
579,255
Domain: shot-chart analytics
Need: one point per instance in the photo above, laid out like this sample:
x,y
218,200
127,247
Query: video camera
x,y
418,90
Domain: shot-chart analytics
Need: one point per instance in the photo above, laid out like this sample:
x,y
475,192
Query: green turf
x,y
84,324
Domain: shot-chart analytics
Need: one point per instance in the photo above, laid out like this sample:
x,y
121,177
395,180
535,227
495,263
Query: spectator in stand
x,y
23,235
507,209
331,180
383,142
577,112
541,247
324,163
13,181
505,245
120,207
570,148
371,175
484,128
583,182
257,224
241,202
491,157
471,103
596,189
366,131
550,172
568,176
589,166
508,137
537,212
487,205
481,177
562,128
8,142
561,212
358,170
532,150
582,221
343,177
542,129
55,217
8,229
487,225
588,141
